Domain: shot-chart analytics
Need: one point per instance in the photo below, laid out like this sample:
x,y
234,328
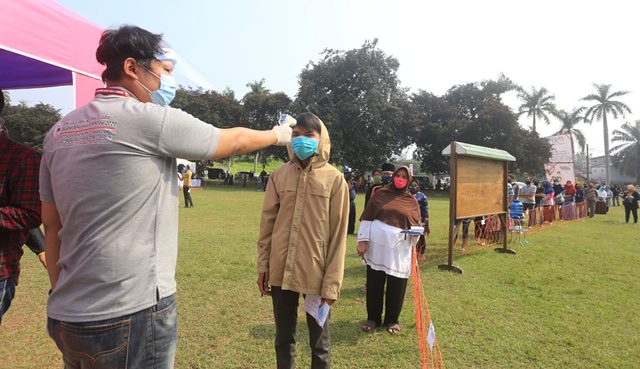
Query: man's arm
x,y
238,141
52,226
338,223
270,209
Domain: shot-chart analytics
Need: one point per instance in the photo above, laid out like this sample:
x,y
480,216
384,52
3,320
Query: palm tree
x,y
627,152
604,104
537,104
569,123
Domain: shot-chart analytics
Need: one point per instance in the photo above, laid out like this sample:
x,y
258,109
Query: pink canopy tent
x,y
43,44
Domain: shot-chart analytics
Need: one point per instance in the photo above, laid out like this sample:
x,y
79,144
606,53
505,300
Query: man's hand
x,y
263,284
283,133
328,301
43,259
362,247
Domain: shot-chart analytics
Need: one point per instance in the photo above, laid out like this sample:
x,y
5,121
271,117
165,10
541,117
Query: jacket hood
x,y
324,149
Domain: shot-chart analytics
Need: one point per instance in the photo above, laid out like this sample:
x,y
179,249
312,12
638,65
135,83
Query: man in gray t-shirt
x,y
528,195
111,237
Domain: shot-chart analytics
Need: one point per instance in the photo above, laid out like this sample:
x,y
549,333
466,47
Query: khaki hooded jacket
x,y
303,230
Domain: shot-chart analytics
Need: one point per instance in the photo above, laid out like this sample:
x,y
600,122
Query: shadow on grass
x,y
343,332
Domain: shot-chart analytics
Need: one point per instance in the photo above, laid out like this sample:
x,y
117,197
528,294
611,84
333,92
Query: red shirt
x,y
19,202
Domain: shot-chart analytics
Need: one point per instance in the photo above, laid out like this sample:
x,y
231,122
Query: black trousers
x,y
285,312
628,211
352,218
393,299
187,196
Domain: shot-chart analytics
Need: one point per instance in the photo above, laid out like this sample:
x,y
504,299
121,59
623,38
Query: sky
x,y
565,46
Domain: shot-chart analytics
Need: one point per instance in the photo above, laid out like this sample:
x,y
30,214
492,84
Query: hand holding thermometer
x,y
283,129
286,119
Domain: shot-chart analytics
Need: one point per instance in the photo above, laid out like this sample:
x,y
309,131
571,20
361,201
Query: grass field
x,y
569,299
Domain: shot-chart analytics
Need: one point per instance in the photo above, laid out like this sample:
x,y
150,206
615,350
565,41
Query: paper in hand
x,y
314,306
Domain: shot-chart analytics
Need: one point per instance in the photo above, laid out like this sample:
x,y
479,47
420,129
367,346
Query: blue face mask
x,y
304,147
386,179
166,92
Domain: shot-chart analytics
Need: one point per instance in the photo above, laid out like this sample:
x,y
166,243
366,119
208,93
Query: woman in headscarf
x,y
386,250
548,211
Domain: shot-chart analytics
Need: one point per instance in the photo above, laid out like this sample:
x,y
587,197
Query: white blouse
x,y
389,250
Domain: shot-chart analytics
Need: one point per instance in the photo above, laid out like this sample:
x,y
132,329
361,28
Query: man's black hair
x,y
388,167
116,45
309,121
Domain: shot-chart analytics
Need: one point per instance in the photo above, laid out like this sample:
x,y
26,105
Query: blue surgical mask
x,y
304,147
166,92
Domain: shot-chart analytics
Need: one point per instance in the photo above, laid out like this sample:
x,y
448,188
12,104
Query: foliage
x,y
262,109
604,104
471,114
537,104
569,122
27,124
358,96
627,150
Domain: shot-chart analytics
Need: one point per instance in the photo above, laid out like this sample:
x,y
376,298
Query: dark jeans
x,y
393,299
285,312
352,218
628,211
187,196
527,206
616,201
7,292
143,340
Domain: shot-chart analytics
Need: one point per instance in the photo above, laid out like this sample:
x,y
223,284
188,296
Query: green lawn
x,y
570,299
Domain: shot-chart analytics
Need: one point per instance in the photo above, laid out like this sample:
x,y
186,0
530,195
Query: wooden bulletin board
x,y
480,187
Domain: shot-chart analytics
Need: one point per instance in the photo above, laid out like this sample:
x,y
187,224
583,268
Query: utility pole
x,y
588,164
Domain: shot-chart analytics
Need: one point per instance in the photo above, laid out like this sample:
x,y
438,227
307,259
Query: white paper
x,y
316,308
431,335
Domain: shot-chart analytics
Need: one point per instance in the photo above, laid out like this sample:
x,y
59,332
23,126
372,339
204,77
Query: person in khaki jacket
x,y
302,243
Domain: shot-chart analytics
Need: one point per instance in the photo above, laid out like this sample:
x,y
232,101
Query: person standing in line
x,y
528,195
386,177
186,186
414,189
592,196
386,252
615,190
303,238
112,268
348,176
630,202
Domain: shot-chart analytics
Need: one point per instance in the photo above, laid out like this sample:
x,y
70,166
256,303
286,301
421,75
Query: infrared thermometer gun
x,y
287,120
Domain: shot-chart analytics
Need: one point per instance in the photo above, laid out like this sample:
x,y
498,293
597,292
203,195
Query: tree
x,y
469,113
219,110
358,96
627,152
29,124
604,104
500,86
537,104
262,109
569,123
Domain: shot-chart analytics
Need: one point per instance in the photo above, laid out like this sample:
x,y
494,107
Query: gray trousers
x,y
285,312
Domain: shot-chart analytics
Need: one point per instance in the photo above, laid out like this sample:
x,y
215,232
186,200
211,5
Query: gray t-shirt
x,y
109,167
528,194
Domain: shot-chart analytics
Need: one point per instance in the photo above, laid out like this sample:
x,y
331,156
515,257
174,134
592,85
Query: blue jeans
x,y
143,340
7,291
